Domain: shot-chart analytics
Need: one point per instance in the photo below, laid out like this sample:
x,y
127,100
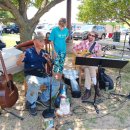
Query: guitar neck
x,y
90,53
4,67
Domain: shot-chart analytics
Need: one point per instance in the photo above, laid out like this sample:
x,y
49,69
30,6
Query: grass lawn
x,y
10,39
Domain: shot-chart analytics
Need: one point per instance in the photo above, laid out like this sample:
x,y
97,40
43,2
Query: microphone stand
x,y
129,43
49,113
118,79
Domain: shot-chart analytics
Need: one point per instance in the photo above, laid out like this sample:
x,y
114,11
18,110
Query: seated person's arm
x,y
20,59
48,58
75,50
99,53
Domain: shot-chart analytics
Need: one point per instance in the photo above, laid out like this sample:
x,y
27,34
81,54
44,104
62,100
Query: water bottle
x,y
65,106
67,111
63,93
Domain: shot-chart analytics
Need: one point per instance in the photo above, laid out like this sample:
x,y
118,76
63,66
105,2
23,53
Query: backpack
x,y
105,80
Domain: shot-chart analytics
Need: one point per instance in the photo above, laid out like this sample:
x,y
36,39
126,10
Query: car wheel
x,y
3,31
12,31
84,37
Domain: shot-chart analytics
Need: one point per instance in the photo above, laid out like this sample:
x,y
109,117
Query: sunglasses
x,y
63,20
91,35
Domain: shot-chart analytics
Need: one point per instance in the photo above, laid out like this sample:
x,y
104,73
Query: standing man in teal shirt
x,y
58,38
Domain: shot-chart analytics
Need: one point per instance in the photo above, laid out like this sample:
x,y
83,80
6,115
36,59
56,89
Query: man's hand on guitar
x,y
84,53
78,55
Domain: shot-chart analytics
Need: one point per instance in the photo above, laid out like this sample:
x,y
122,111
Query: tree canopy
x,y
18,14
5,14
98,11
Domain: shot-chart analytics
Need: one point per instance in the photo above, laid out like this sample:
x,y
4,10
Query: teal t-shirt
x,y
58,37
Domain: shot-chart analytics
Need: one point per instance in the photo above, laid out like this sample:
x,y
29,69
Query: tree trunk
x,y
25,36
26,32
18,8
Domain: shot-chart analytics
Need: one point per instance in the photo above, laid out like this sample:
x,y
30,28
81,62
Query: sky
x,y
58,11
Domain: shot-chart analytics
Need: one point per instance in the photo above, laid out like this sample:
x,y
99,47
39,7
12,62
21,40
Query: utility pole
x,y
69,15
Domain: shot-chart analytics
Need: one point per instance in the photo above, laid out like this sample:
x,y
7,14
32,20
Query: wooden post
x,y
69,41
69,15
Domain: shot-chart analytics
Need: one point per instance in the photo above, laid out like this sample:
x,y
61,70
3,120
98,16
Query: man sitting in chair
x,y
90,71
34,59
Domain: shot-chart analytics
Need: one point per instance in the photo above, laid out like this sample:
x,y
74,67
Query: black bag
x,y
2,45
105,80
75,89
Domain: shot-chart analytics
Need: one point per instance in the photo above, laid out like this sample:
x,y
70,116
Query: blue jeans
x,y
34,83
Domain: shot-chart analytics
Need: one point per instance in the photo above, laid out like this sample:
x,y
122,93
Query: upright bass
x,y
8,90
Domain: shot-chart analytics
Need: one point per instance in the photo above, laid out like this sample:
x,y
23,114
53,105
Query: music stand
x,y
100,62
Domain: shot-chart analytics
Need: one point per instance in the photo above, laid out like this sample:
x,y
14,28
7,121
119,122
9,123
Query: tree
x,y
98,11
4,14
18,9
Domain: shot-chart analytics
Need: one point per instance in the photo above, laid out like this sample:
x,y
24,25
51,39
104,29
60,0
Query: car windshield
x,y
87,27
9,26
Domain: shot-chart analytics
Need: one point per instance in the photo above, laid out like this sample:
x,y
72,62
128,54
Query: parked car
x,y
11,29
82,33
44,29
76,27
124,30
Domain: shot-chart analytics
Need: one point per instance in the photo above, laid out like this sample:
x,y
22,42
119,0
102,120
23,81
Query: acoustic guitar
x,y
85,53
8,90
